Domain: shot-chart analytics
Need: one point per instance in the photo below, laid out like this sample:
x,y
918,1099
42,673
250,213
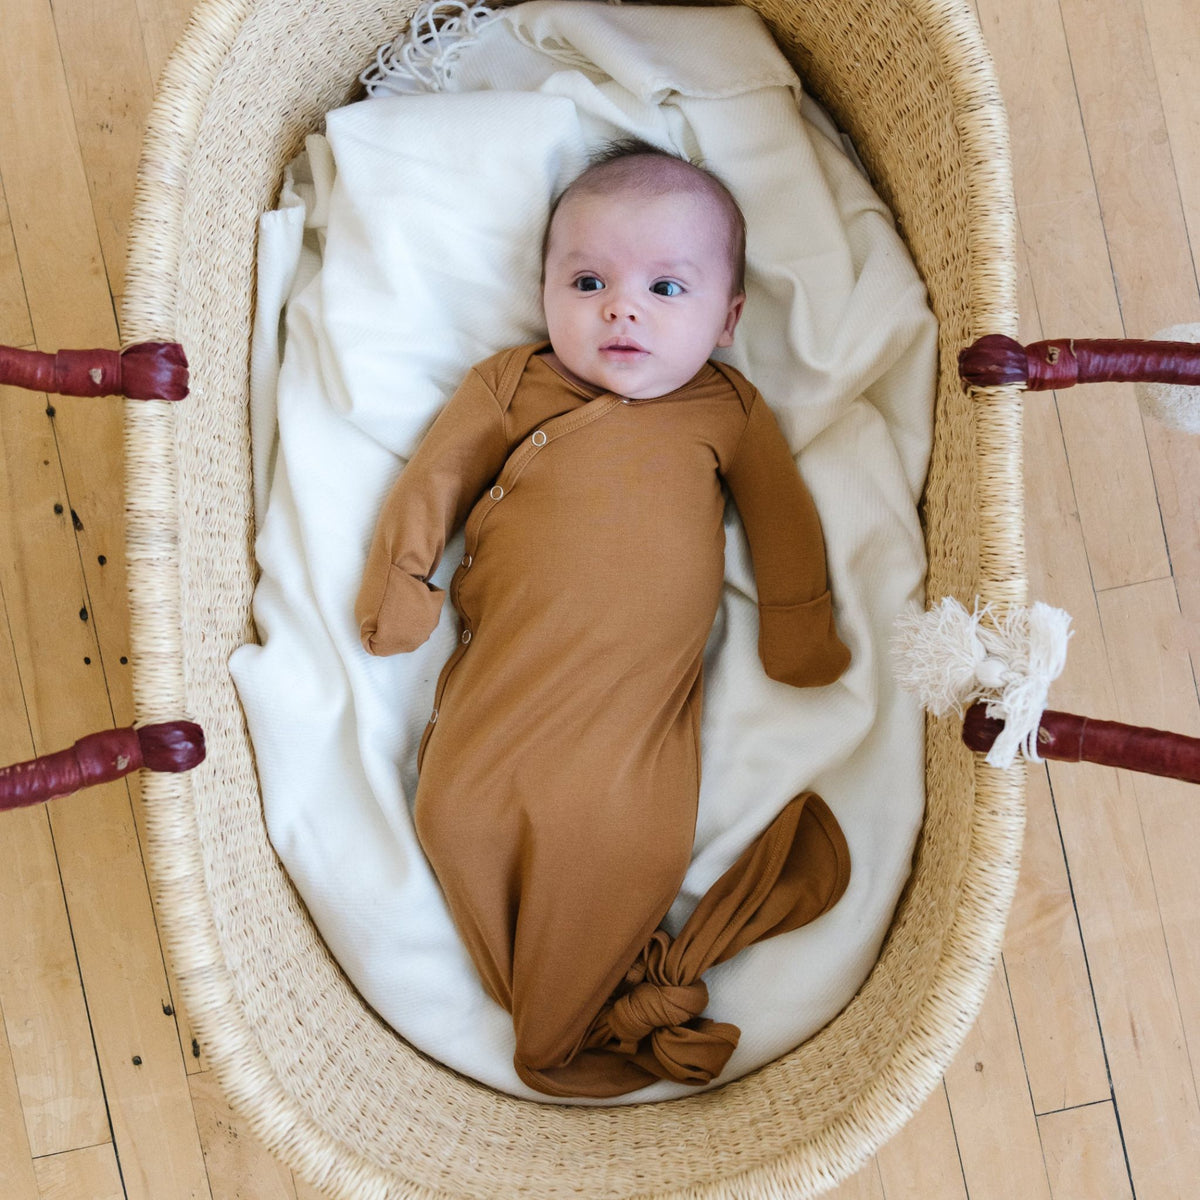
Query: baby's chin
x,y
634,377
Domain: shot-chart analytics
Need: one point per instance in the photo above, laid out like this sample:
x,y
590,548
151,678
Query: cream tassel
x,y
950,658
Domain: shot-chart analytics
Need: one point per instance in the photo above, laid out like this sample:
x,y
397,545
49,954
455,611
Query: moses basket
x,y
321,1079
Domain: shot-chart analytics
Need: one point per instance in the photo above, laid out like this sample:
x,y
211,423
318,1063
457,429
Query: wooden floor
x,y
1078,1081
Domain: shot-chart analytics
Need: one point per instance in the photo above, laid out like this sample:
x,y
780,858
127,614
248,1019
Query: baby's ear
x,y
731,319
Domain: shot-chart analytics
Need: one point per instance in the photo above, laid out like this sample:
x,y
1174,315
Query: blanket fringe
x,y
423,60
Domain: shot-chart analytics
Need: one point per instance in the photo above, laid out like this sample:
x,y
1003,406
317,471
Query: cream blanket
x,y
405,249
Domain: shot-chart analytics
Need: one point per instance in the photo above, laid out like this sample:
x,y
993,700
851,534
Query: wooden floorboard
x,y
1079,1080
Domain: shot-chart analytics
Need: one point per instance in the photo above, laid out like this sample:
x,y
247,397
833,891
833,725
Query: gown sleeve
x,y
397,607
797,640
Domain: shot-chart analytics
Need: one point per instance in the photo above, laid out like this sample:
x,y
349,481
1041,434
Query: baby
x,y
560,769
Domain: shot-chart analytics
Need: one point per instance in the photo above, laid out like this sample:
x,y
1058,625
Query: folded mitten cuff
x,y
406,615
798,643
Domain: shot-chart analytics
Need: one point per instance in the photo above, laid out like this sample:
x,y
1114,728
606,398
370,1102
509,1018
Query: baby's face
x,y
637,290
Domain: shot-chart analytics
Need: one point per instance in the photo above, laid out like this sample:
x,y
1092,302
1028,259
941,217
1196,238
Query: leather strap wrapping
x,y
146,371
101,758
998,361
1069,738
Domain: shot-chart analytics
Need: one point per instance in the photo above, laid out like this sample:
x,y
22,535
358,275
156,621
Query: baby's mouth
x,y
623,348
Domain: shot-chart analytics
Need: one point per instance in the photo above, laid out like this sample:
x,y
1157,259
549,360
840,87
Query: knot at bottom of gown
x,y
650,1028
652,1006
655,1019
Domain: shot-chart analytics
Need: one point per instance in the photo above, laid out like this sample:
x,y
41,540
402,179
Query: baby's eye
x,y
666,287
588,283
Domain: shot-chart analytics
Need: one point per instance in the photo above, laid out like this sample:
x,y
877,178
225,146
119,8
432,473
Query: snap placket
x,y
567,423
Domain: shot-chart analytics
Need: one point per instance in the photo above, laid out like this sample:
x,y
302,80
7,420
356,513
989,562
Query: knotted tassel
x,y
145,371
949,658
101,758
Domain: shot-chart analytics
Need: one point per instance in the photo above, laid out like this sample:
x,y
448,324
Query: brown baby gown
x,y
560,769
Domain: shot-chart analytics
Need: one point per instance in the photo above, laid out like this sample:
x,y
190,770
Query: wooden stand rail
x,y
1065,737
999,361
101,758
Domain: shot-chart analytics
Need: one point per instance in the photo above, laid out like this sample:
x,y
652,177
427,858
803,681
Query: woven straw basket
x,y
330,1088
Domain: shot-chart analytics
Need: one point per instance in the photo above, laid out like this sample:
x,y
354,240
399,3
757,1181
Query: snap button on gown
x,y
560,772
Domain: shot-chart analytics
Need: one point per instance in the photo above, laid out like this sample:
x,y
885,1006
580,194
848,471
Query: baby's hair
x,y
630,164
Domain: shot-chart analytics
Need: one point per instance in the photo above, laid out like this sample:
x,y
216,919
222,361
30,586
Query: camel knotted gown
x,y
560,769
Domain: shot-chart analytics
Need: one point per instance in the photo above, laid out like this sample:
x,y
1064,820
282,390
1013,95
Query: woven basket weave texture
x,y
327,1085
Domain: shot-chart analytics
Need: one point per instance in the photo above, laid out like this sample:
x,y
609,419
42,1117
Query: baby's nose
x,y
619,305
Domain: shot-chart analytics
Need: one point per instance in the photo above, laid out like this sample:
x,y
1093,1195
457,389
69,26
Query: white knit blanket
x,y
405,249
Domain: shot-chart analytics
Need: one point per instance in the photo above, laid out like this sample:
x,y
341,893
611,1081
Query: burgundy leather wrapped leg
x,y
101,758
1069,738
145,371
999,361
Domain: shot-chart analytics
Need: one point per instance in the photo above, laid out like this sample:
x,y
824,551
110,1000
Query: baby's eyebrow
x,y
679,266
664,266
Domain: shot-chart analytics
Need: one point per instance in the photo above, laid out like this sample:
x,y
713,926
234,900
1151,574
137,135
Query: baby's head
x,y
644,264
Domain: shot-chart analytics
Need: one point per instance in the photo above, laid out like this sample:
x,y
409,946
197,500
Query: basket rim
x,y
960,979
